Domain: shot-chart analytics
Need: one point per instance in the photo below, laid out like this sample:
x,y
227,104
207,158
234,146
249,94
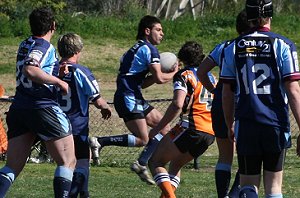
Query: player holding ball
x,y
139,68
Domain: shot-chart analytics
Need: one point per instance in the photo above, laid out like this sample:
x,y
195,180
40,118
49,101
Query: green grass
x,y
109,182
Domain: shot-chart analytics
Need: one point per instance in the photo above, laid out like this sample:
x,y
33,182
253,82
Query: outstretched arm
x,y
100,103
172,112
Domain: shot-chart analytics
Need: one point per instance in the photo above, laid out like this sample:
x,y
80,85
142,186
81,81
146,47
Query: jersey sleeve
x,y
179,83
228,71
86,80
288,59
215,54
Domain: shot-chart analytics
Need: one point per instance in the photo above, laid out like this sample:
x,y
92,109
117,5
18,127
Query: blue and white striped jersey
x,y
83,88
260,62
30,95
134,66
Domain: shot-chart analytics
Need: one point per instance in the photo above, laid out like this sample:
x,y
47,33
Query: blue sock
x,y
222,179
127,140
77,184
149,149
234,191
274,196
7,177
62,182
248,192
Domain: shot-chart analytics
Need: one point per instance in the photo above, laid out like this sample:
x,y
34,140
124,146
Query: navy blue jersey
x,y
83,88
134,66
30,95
260,62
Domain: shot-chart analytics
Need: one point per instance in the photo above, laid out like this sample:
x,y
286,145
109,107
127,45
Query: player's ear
x,y
147,31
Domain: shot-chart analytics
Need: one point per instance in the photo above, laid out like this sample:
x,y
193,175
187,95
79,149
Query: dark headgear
x,y
259,9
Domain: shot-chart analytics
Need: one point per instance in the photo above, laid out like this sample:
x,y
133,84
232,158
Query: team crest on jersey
x,y
36,55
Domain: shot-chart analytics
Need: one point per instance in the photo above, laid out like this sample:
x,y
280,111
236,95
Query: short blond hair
x,y
69,44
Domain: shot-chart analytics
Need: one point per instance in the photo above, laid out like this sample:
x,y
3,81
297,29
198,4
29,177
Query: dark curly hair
x,y
41,20
191,54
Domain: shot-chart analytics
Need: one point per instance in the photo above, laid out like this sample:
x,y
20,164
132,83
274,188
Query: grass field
x,y
120,182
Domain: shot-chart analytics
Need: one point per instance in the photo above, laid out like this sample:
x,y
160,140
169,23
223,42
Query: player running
x,y
193,134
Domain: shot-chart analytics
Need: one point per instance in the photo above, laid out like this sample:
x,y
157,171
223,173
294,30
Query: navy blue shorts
x,y
193,141
252,164
130,108
218,120
48,123
258,139
82,149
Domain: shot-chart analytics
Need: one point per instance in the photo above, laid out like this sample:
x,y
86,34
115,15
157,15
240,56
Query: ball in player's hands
x,y
168,62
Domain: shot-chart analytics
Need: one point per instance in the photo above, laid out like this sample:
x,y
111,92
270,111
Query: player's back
x,y
263,60
83,88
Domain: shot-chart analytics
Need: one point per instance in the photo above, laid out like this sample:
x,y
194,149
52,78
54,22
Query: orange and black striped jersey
x,y
198,99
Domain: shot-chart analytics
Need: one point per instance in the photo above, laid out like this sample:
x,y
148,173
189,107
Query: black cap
x,y
259,9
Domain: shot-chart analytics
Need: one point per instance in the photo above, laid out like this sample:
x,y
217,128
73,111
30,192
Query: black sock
x,y
5,183
222,182
118,140
62,187
77,183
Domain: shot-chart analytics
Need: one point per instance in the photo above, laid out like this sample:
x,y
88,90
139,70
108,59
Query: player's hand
x,y
106,113
63,87
298,146
63,70
175,67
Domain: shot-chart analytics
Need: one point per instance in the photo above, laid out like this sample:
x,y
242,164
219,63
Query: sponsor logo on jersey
x,y
36,55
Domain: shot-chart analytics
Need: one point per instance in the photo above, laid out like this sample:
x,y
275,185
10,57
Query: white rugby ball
x,y
168,61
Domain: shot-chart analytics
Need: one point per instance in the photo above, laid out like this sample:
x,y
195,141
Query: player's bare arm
x,y
100,103
206,66
228,108
37,75
159,76
174,109
293,92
